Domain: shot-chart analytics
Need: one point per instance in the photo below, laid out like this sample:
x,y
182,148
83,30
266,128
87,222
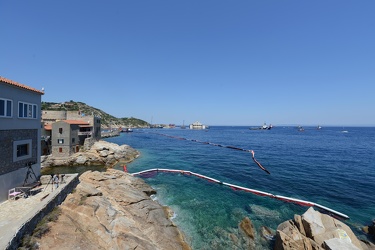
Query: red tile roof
x,y
22,86
76,122
48,127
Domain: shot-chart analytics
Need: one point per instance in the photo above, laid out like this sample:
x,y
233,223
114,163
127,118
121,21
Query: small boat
x,y
319,127
183,125
264,127
127,130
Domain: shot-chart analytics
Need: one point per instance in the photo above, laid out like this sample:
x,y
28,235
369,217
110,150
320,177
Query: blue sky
x,y
219,62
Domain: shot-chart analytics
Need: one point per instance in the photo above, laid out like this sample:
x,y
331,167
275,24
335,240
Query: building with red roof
x,y
20,133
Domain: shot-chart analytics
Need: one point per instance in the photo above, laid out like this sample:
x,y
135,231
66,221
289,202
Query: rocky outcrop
x,y
101,153
370,230
247,227
112,210
314,230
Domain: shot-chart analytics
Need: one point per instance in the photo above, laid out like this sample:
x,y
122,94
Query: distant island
x,y
107,120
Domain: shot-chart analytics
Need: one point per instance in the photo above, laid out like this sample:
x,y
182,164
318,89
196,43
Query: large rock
x,y
100,153
339,244
112,210
312,222
314,230
289,237
247,227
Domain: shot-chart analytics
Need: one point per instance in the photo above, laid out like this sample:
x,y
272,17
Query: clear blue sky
x,y
240,62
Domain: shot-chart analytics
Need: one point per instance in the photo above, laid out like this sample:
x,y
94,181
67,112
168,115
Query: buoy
x,y
125,170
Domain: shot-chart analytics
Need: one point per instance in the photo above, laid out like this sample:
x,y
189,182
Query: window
x,y
60,130
73,140
27,110
5,107
22,150
60,141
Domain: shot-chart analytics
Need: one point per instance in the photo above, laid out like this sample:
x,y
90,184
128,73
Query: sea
x,y
331,166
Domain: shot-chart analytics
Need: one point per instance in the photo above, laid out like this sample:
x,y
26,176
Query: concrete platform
x,y
18,217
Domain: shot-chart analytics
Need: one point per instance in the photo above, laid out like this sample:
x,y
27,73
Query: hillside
x,y
107,120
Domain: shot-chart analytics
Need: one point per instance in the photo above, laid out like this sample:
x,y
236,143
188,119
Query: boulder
x,y
267,233
339,244
81,159
314,230
299,224
110,210
247,227
312,223
289,237
100,153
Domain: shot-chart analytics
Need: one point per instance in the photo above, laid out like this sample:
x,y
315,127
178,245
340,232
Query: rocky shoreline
x,y
100,153
112,210
314,230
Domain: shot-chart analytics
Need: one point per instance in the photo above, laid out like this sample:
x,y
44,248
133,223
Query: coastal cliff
x,y
112,210
100,153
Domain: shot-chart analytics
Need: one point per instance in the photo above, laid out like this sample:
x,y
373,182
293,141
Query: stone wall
x,y
7,137
50,116
89,142
30,225
78,115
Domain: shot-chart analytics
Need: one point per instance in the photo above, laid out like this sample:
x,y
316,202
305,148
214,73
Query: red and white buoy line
x,y
235,187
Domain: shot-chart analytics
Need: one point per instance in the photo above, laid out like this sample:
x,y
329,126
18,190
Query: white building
x,y
20,133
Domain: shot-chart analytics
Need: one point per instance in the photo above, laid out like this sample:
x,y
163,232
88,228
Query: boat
x,y
264,127
197,125
344,130
183,125
319,127
127,130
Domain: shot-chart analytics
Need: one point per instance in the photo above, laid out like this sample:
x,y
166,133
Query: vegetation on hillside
x,y
107,120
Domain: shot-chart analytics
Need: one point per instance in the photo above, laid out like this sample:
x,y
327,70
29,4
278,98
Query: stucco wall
x,y
13,172
19,95
16,179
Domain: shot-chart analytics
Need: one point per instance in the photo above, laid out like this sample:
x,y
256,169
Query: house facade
x,y
68,136
20,132
65,132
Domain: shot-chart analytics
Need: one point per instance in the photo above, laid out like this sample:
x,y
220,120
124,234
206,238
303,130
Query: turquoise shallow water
x,y
326,166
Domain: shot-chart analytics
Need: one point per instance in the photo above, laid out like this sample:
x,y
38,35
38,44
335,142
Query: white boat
x,y
264,127
127,130
197,125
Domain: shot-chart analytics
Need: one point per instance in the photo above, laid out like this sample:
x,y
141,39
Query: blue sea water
x,y
333,168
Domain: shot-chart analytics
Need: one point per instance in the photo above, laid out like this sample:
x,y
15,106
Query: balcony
x,y
85,133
